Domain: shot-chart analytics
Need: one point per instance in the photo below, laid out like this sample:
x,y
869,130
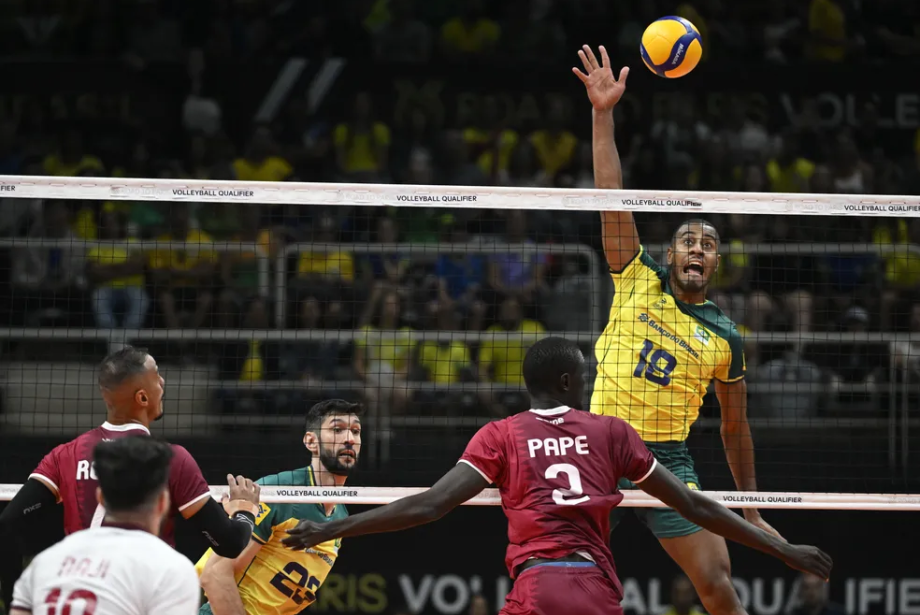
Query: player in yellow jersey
x,y
664,344
269,579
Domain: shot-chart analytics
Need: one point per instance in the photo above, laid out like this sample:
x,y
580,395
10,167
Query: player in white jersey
x,y
121,568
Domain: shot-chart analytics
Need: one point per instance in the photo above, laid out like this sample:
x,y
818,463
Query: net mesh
x,y
254,312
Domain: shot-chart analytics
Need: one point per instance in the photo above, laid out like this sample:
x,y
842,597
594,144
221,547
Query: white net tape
x,y
143,189
632,499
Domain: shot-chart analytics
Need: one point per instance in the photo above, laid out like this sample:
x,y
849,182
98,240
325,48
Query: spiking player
x,y
120,568
557,469
663,346
132,388
267,578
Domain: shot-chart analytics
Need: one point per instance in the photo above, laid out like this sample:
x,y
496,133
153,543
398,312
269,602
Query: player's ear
x,y
670,256
140,397
163,502
99,498
310,442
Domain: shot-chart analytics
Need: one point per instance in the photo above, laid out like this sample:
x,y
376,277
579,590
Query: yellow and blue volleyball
x,y
671,47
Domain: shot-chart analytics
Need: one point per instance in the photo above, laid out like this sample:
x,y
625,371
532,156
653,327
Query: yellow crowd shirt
x,y
657,355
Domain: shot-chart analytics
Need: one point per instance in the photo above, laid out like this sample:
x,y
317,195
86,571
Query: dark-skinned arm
x,y
456,487
618,228
710,515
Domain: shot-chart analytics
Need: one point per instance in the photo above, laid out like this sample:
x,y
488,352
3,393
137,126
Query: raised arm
x,y
456,487
618,228
709,514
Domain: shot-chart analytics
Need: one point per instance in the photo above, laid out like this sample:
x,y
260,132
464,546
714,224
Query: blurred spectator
x,y
856,361
731,282
460,277
789,171
787,279
528,35
501,360
389,267
457,169
851,174
362,145
677,135
636,19
492,141
117,276
383,351
780,30
261,161
448,361
405,39
717,170
316,360
10,155
907,350
902,268
683,598
830,30
514,274
183,278
418,138
328,274
49,282
471,33
744,135
71,159
893,33
803,379
813,598
239,271
569,305
154,37
553,145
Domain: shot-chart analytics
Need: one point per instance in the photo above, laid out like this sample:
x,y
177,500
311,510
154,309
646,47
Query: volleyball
x,y
671,47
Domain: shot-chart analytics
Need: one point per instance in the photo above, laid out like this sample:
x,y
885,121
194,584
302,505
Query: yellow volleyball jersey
x,y
282,581
657,355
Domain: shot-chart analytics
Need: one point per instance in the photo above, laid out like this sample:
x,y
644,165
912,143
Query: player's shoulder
x,y
298,477
715,320
642,261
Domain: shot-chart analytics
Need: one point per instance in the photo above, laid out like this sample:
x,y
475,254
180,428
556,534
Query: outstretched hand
x,y
604,91
307,534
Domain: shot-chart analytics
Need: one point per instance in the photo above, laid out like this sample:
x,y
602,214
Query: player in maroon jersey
x,y
132,389
557,469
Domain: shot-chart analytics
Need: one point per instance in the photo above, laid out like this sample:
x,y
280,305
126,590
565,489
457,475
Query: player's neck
x,y
685,296
117,418
545,403
325,478
142,521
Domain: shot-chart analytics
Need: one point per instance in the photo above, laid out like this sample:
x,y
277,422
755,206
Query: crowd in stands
x,y
382,296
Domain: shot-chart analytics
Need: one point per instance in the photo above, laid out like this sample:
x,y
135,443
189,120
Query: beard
x,y
332,463
692,285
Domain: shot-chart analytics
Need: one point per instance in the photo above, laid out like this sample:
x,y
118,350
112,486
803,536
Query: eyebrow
x,y
705,234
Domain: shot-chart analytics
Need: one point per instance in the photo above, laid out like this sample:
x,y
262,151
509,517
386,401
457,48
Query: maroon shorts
x,y
552,590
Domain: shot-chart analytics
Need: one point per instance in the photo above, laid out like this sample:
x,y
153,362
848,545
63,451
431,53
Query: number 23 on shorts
x,y
655,364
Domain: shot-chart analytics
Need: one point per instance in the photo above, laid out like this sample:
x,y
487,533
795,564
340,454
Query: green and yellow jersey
x,y
657,355
282,581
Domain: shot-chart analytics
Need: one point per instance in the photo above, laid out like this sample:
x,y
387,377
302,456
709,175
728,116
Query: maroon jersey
x,y
557,473
69,469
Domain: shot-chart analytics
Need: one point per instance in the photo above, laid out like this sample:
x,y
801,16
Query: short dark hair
x,y
547,360
121,365
700,221
132,471
318,413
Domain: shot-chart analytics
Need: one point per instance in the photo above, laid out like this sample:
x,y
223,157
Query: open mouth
x,y
348,453
694,269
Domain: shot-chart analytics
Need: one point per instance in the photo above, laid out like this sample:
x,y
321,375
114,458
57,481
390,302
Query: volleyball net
x,y
259,299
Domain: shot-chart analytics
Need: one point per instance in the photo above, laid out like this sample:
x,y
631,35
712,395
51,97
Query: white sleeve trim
x,y
207,494
48,483
649,473
481,473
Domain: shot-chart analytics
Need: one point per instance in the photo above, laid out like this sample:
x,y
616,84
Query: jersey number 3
x,y
575,493
655,365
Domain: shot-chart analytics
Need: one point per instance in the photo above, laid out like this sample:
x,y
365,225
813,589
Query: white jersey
x,y
109,571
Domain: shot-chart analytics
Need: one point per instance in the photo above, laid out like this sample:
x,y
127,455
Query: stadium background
x,y
274,90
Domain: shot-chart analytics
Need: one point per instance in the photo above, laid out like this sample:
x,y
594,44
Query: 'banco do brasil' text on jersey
x,y
282,581
557,472
657,355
